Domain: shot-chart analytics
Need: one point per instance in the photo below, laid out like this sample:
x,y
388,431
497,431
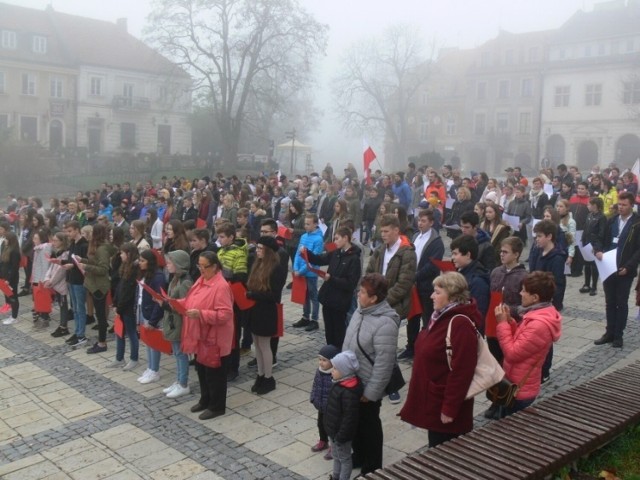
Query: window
x,y
593,95
55,85
3,84
95,86
479,124
524,127
127,135
451,126
8,39
29,129
562,94
39,44
502,122
631,93
28,84
508,57
424,130
485,59
482,90
533,54
127,93
503,88
526,88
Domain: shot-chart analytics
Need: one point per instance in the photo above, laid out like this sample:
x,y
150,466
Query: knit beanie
x,y
492,196
329,351
346,363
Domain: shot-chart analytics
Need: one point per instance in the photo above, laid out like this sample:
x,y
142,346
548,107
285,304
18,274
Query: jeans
x,y
342,464
153,359
78,296
129,322
311,305
182,364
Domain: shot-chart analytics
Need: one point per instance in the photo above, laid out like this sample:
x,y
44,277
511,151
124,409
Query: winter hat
x,y
180,259
346,363
492,196
329,351
269,242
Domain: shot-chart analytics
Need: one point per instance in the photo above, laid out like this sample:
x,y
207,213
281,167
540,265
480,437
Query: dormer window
x,y
8,39
39,44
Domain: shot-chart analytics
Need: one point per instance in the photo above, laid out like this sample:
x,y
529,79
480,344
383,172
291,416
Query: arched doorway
x,y
522,160
627,149
587,155
56,136
555,149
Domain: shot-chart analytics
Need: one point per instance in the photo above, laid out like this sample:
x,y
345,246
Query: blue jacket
x,y
479,285
315,244
107,212
151,311
553,262
403,194
320,390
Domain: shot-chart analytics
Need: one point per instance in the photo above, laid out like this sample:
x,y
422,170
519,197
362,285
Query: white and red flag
x,y
368,156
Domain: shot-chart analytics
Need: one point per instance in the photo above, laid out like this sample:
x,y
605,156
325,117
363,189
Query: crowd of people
x,y
199,267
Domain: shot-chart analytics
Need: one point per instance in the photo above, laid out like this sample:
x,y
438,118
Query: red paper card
x,y
284,232
201,223
444,265
299,289
154,338
41,299
416,304
490,320
23,261
5,288
240,296
330,246
317,271
155,295
118,326
177,306
280,331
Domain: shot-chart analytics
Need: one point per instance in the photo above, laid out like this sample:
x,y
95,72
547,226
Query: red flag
x,y
368,156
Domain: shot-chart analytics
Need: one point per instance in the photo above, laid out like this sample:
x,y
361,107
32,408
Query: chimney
x,y
122,24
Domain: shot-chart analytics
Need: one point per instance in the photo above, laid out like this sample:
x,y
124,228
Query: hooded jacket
x,y
378,326
177,288
551,262
342,413
525,347
402,192
314,243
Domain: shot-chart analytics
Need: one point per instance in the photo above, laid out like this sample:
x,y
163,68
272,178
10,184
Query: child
x,y
320,395
341,418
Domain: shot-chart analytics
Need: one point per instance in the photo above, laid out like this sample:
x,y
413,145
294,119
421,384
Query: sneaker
x,y
585,289
95,327
90,319
151,377
144,374
71,339
6,308
179,391
252,363
24,292
79,341
407,354
545,379
320,446
245,351
60,332
303,322
313,325
116,364
169,388
394,398
328,456
96,348
9,321
131,364
593,292
289,285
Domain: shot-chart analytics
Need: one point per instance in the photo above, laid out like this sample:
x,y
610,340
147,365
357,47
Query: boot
x,y
268,385
258,383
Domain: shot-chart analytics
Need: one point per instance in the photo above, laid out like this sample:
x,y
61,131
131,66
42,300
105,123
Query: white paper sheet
x,y
323,227
608,265
587,252
449,202
548,189
578,237
513,221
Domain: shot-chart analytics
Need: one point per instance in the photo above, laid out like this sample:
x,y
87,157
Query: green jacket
x,y
401,274
96,268
234,260
172,322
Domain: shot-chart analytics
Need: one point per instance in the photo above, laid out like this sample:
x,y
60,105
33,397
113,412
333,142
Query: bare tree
x,y
378,82
228,46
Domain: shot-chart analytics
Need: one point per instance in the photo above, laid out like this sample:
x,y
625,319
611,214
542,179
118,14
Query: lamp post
x,y
292,135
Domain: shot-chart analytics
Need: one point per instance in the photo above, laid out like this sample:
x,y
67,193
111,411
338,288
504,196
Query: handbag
x,y
396,382
504,393
488,371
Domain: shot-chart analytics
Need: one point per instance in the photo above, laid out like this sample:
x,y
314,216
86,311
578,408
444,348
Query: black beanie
x,y
329,351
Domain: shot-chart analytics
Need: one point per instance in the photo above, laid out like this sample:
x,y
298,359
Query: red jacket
x,y
434,388
214,299
526,344
442,193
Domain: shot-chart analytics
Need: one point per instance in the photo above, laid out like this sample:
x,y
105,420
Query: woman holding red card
x,y
10,272
265,285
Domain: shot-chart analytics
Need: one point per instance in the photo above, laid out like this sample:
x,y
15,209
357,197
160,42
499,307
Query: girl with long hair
x,y
41,255
10,271
154,228
175,237
138,233
496,227
56,280
340,213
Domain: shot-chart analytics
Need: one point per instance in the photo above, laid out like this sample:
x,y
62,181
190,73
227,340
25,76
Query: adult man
x,y
199,242
428,245
464,254
564,175
401,190
396,260
521,208
119,221
75,280
623,235
469,222
312,241
189,212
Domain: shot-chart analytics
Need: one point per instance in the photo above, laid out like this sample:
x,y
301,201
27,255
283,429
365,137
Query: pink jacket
x,y
527,344
214,300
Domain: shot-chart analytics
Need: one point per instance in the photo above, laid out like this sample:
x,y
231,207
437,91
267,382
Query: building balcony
x,y
121,102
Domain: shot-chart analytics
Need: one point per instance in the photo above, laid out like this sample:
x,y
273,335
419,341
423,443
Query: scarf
x,y
536,306
535,197
435,316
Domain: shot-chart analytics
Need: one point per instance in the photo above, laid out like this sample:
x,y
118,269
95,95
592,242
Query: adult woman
x,y
525,345
440,379
609,196
340,213
154,228
97,281
208,332
175,237
178,265
229,210
137,232
149,313
265,285
372,335
594,233
463,204
10,272
339,284
496,227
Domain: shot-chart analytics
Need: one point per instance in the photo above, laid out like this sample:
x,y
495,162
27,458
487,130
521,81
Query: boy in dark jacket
x,y
341,418
320,395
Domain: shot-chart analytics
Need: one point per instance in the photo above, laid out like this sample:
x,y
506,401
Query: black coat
x,y
10,270
595,231
344,273
426,271
628,245
262,318
125,295
341,416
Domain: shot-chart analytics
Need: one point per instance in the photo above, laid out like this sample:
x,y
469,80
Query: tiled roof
x,y
600,24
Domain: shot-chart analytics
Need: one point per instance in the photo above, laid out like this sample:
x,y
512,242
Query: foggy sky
x,y
458,23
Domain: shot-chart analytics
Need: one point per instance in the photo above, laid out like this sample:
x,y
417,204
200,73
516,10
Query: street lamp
x,y
292,135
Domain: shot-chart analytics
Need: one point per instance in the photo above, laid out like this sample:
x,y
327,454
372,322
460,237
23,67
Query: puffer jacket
x,y
344,273
378,326
58,275
525,347
401,274
151,311
343,404
234,260
314,243
320,390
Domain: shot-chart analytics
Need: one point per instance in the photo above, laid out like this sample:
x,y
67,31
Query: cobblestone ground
x,y
63,414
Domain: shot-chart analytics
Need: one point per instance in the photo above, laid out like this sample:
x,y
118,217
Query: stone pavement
x,y
63,414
